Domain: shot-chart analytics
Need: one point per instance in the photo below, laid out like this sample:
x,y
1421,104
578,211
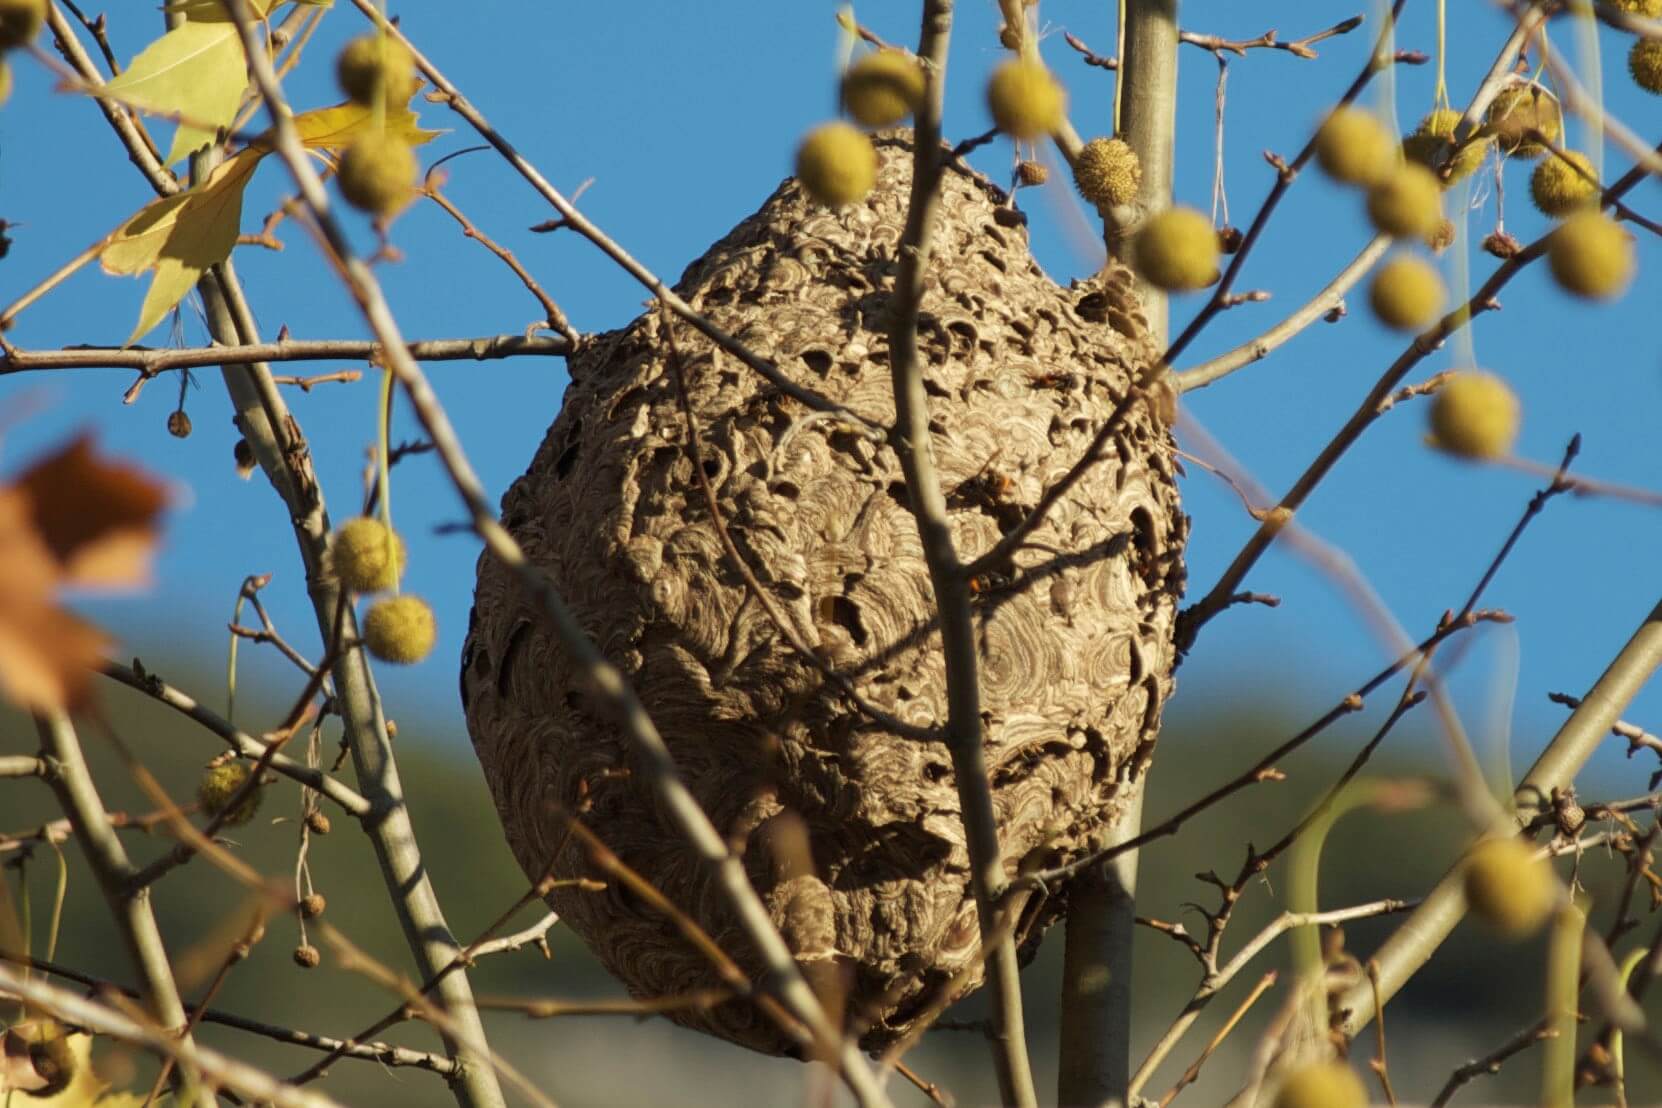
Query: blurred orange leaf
x,y
70,519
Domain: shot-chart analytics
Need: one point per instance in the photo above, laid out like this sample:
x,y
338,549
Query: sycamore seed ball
x,y
376,67
1519,112
400,629
1651,9
219,784
882,89
1590,255
1177,250
1107,172
1509,888
1433,139
20,21
1407,293
1407,203
1474,415
1322,1085
1559,187
377,174
1025,100
1354,147
836,164
366,555
1644,61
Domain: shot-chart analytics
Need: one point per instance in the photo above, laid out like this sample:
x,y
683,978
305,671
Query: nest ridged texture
x,y
850,833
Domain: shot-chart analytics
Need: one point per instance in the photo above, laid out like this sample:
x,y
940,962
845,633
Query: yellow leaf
x,y
83,1086
195,71
336,127
180,237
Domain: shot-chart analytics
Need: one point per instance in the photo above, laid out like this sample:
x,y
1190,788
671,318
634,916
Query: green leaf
x,y
180,237
197,72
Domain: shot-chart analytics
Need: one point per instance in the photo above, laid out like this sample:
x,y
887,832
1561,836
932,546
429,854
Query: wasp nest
x,y
850,833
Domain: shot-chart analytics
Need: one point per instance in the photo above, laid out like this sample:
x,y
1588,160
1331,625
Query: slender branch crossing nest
x,y
850,833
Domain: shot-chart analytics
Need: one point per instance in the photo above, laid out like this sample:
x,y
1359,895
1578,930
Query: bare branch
x,y
555,318
240,741
1317,307
384,1053
150,362
1299,48
131,907
99,1019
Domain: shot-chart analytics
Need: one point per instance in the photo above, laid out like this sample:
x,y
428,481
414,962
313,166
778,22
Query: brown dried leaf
x,y
97,519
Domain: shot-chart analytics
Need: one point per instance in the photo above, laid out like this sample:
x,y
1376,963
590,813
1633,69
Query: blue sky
x,y
685,116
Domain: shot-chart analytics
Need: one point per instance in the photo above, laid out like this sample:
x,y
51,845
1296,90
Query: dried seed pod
x,y
1107,172
757,731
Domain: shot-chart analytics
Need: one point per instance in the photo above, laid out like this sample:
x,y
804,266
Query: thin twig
x,y
243,743
541,1008
1265,766
1317,307
1299,47
384,1053
1490,1063
555,318
1192,1074
150,362
306,384
22,765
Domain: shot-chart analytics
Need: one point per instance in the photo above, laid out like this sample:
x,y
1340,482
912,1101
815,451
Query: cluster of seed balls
x,y
20,22
366,555
377,171
1175,250
1475,414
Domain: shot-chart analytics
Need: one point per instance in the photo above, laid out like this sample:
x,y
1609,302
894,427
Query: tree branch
x,y
1318,306
101,1020
912,443
1413,943
656,763
240,741
150,362
130,906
